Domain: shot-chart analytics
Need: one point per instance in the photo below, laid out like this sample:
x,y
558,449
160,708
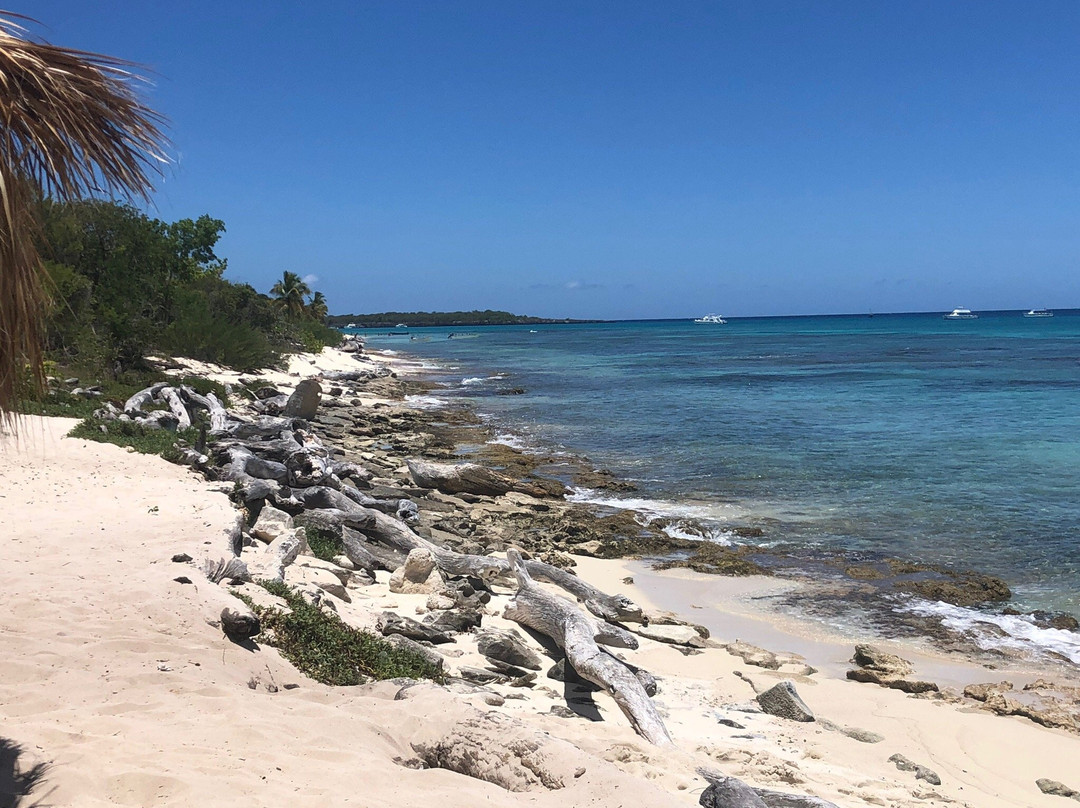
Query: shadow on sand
x,y
16,784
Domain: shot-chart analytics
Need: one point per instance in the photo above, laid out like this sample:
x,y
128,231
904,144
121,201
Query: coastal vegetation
x,y
73,128
389,319
328,650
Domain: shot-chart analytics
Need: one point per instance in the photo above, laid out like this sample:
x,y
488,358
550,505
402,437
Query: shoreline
x,y
131,675
988,636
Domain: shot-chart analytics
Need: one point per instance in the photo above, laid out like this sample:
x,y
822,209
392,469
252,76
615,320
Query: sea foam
x,y
1000,631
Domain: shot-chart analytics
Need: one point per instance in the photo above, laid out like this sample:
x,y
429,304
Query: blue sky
x,y
621,159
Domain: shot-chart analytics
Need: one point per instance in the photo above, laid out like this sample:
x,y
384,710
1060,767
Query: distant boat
x,y
351,325
1039,313
961,314
711,319
401,325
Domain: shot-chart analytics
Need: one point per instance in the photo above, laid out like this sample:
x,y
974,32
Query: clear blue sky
x,y
621,159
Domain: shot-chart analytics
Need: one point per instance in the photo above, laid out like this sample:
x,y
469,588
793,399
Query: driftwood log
x,y
135,405
171,396
219,416
578,634
395,533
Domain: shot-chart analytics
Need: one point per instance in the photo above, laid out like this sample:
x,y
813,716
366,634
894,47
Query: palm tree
x,y
71,126
290,292
317,308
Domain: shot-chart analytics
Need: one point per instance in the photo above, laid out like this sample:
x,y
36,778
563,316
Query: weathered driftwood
x,y
279,554
241,464
469,478
262,427
577,633
226,569
171,396
322,496
135,405
219,416
395,533
368,557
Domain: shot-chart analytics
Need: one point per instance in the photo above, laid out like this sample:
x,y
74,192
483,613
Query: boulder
x,y
271,524
888,670
239,625
506,646
459,622
869,656
304,400
730,792
783,700
418,575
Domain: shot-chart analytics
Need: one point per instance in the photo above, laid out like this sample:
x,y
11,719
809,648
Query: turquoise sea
x,y
951,442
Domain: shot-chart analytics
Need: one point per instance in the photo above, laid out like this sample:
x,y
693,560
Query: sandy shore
x,y
112,672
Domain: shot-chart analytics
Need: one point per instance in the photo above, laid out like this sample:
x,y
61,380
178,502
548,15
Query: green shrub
x,y
127,433
320,645
324,544
59,403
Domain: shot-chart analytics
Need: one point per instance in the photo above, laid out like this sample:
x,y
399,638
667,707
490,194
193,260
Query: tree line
x,y
122,285
389,319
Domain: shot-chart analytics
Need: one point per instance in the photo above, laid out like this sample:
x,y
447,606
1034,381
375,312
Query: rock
x,y
459,622
506,646
271,524
982,692
888,670
418,575
869,656
921,772
729,792
672,634
304,400
905,685
861,735
239,625
961,589
181,558
439,602
1053,787
390,623
480,676
752,655
430,654
783,700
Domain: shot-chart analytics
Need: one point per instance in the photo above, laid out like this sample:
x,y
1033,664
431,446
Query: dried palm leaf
x,y
71,126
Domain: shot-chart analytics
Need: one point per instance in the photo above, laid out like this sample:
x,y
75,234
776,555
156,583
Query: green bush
x,y
198,334
320,645
324,544
127,433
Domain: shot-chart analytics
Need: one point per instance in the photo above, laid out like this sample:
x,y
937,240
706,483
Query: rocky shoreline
x,y
352,516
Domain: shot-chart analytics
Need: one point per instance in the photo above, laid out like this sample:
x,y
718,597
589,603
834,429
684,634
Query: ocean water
x,y
951,442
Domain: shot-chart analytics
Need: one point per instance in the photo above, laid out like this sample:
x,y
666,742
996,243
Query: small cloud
x,y
309,279
580,285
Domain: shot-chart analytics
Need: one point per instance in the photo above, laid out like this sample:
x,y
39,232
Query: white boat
x,y
712,319
401,325
351,325
961,314
1039,313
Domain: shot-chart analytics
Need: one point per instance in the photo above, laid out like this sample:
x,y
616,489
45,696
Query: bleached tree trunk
x,y
577,634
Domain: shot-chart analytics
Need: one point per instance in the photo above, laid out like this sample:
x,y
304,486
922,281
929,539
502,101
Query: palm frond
x,y
71,125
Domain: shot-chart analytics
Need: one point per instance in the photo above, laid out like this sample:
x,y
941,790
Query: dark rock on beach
x,y
784,701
